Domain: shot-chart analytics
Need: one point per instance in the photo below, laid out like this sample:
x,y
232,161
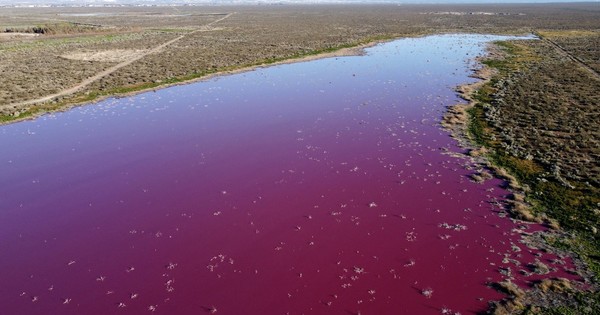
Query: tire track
x,y
575,59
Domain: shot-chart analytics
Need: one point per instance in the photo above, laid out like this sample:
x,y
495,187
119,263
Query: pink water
x,y
313,188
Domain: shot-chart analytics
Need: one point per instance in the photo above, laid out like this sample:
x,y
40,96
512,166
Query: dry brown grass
x,y
522,211
557,285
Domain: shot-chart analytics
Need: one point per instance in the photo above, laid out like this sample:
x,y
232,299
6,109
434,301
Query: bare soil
x,y
113,55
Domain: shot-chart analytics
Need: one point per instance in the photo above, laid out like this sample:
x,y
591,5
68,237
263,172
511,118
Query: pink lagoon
x,y
321,187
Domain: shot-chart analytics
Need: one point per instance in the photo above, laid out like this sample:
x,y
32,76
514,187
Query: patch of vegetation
x,y
94,95
571,199
584,45
253,35
55,28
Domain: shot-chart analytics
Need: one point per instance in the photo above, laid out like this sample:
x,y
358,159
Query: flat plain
x,y
47,51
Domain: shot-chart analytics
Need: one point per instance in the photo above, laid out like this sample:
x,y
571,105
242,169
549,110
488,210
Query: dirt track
x,y
140,47
108,71
565,53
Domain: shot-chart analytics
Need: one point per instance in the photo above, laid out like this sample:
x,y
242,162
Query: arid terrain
x,y
535,121
538,117
47,53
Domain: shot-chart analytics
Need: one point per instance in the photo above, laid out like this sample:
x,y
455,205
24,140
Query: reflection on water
x,y
323,187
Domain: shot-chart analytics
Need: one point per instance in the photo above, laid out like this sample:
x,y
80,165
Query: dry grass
x,y
523,211
539,117
520,302
583,45
557,285
546,116
33,67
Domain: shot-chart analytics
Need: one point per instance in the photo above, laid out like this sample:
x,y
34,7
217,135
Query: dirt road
x,y
565,53
110,70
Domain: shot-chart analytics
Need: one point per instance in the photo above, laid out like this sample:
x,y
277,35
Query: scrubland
x,y
538,120
33,67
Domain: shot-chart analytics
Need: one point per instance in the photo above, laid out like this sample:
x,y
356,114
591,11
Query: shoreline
x,y
350,51
39,110
457,121
357,50
457,118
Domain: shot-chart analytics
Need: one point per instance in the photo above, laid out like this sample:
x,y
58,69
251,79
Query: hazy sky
x,y
285,1
313,1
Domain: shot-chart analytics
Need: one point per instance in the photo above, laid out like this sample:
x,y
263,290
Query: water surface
x,y
321,187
